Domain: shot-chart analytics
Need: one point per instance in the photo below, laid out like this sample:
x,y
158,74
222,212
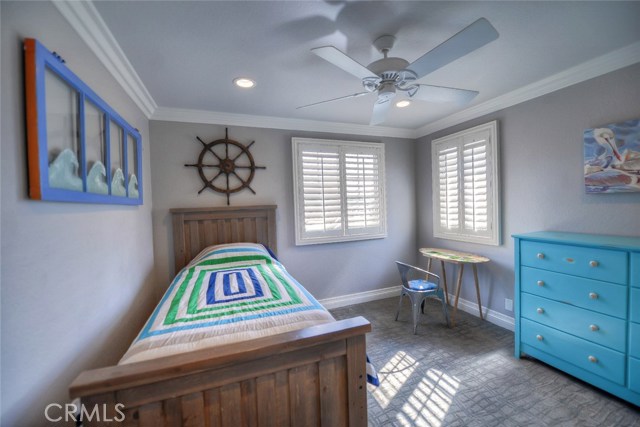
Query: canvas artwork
x,y
612,158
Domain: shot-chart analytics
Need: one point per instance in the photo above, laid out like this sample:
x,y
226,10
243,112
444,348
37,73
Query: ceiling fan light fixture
x,y
244,82
403,103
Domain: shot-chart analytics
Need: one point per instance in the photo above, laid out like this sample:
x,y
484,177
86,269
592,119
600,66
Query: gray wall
x,y
77,279
326,270
541,174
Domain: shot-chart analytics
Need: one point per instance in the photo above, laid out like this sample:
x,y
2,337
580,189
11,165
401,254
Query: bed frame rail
x,y
311,377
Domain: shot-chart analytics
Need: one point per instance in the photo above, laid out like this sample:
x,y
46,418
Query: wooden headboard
x,y
196,228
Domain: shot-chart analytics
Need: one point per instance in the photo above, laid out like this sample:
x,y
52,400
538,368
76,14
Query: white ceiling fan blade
x,y
466,41
355,95
341,60
380,112
444,94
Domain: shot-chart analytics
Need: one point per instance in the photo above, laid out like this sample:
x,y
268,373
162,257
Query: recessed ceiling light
x,y
403,103
244,82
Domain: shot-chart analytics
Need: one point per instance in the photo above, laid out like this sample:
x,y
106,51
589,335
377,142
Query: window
x,y
465,186
338,191
79,148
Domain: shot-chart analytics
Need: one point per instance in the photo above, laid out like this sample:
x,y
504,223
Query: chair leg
x,y
399,305
415,308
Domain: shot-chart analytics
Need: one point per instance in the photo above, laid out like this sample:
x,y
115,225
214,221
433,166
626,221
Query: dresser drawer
x,y
634,306
603,297
635,270
598,328
598,264
634,340
634,374
591,357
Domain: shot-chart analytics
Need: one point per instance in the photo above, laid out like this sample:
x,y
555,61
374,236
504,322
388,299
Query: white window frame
x,y
493,234
346,234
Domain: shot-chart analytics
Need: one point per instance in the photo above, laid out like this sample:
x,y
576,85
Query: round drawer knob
x,y
540,255
594,328
540,310
593,295
539,337
593,263
593,359
540,283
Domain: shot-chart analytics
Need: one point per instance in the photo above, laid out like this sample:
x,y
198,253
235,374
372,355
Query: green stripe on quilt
x,y
193,300
233,308
175,303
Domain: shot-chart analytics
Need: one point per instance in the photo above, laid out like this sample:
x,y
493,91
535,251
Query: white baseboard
x,y
360,297
492,316
470,307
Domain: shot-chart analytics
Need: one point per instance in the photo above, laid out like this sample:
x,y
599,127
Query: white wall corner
x,y
86,20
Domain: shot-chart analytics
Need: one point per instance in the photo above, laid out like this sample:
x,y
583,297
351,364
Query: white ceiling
x,y
187,53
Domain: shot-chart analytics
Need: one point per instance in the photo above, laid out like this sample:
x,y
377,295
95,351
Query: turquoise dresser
x,y
577,307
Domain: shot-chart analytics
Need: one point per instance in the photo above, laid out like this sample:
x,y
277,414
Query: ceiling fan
x,y
387,76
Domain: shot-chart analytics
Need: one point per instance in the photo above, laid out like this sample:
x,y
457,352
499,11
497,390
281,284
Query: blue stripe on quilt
x,y
372,375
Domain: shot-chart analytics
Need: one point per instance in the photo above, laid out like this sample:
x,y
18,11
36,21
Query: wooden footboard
x,y
311,377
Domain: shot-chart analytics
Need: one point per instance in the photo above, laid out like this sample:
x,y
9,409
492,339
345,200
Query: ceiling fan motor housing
x,y
392,74
385,65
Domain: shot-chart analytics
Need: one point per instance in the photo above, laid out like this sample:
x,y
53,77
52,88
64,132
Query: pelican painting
x,y
612,158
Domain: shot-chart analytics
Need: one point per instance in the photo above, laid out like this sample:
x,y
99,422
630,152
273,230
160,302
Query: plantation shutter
x,y
321,195
448,187
475,185
465,186
339,190
363,195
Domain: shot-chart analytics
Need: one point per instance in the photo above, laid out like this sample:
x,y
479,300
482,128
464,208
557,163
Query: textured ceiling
x,y
187,53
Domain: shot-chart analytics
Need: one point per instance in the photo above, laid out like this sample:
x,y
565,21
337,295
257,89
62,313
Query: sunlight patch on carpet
x,y
392,377
430,400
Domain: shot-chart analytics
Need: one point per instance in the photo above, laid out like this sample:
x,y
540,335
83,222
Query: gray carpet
x,y
467,376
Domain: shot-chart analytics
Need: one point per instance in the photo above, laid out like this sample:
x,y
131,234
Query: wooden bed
x,y
310,377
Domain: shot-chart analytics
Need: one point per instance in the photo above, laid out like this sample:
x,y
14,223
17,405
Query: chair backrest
x,y
405,269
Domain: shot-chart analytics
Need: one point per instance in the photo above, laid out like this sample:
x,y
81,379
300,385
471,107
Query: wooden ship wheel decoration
x,y
233,162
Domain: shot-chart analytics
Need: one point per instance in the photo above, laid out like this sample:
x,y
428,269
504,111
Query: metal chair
x,y
418,290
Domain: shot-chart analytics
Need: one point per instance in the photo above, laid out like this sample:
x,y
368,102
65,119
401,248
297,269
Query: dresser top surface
x,y
600,240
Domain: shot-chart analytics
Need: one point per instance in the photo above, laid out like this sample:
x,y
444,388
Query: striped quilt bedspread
x,y
228,293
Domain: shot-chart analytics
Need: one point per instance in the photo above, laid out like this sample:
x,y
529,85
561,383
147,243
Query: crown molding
x,y
231,119
86,20
604,64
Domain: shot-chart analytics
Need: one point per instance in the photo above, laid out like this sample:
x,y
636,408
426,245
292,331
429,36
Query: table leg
x,y
475,278
429,264
458,286
444,283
